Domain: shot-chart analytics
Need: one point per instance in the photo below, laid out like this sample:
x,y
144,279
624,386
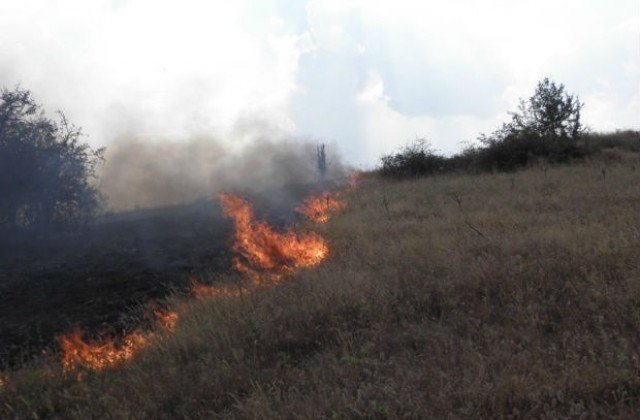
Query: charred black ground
x,y
99,279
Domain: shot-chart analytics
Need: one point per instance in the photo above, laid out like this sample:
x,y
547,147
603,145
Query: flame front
x,y
353,180
97,355
264,249
318,208
78,353
202,291
261,250
166,319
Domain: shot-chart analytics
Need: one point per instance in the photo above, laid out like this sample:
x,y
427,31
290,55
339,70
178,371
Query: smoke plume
x,y
142,172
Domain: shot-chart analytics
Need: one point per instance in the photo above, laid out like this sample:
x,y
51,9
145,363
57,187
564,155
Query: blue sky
x,y
364,76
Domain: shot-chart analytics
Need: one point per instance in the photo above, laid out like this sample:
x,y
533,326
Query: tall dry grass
x,y
490,296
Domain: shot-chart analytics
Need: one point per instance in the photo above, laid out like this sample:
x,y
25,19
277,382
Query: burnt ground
x,y
100,278
97,279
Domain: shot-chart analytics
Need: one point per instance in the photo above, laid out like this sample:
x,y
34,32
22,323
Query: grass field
x,y
458,296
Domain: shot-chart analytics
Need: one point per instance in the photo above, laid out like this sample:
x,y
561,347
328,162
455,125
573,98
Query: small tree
x,y
552,114
546,125
46,173
321,162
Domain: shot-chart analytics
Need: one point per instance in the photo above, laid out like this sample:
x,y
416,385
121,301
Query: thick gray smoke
x,y
140,173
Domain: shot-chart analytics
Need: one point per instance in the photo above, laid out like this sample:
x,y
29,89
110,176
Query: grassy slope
x,y
457,296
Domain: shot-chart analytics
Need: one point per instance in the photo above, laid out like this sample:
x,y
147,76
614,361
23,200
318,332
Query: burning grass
x,y
261,248
110,351
264,254
78,353
319,207
493,296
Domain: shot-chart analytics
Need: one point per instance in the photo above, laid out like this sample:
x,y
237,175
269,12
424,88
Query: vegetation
x,y
46,173
506,295
546,127
415,159
483,292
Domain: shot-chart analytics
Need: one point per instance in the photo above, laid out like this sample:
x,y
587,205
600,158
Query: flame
x,y
318,208
202,291
264,249
108,351
97,355
166,319
353,180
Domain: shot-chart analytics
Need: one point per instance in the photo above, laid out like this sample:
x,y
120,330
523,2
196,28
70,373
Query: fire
x,y
264,249
166,319
97,355
354,179
201,291
318,208
100,354
264,254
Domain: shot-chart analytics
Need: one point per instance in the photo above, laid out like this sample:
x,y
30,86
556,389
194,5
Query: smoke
x,y
143,172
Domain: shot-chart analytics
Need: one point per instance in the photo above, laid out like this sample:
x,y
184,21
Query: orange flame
x,y
166,318
202,291
318,208
264,249
97,355
100,354
354,179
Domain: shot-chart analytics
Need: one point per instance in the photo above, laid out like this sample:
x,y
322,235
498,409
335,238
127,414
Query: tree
x,y
321,163
551,113
546,125
46,174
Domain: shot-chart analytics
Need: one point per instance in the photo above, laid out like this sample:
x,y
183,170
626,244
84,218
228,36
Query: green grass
x,y
487,296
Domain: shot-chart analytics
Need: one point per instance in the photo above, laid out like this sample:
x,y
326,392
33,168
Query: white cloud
x,y
367,74
156,67
451,70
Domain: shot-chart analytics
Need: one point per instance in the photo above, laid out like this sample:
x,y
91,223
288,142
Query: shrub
x,y
46,173
414,160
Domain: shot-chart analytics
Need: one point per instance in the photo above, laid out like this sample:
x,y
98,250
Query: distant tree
x,y
321,162
46,174
546,125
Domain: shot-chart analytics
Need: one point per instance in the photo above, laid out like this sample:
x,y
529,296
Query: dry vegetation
x,y
487,296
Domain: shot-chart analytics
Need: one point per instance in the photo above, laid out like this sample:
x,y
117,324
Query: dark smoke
x,y
141,173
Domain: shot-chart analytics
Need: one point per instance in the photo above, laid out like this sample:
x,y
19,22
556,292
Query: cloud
x,y
163,67
398,70
367,74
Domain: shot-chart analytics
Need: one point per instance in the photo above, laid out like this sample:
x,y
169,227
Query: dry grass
x,y
492,296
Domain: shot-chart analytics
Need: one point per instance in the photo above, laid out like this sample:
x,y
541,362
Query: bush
x,y
546,127
414,160
46,174
626,140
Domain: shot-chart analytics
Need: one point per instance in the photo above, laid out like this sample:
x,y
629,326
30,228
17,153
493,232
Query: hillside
x,y
454,296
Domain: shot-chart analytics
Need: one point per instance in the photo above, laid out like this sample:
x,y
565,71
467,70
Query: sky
x,y
363,76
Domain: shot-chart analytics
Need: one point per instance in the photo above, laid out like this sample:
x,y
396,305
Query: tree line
x,y
545,127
